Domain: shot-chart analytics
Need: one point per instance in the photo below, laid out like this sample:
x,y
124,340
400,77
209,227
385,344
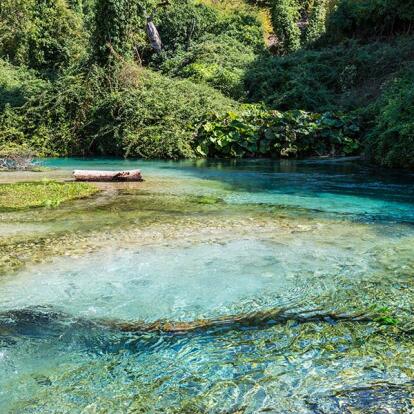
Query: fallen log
x,y
91,175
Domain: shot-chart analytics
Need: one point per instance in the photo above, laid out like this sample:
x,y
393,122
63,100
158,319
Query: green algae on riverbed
x,y
127,216
124,217
46,193
121,214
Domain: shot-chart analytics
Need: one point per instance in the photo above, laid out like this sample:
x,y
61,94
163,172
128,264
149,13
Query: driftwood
x,y
90,175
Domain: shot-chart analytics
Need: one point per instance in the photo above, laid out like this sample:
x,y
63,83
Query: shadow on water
x,y
43,321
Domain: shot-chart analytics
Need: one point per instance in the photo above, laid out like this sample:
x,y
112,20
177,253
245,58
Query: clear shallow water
x,y
256,304
201,281
340,186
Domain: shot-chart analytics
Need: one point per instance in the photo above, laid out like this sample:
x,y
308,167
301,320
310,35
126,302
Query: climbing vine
x,y
113,19
285,16
316,22
297,23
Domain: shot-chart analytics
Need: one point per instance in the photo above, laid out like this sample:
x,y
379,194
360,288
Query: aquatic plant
x,y
41,194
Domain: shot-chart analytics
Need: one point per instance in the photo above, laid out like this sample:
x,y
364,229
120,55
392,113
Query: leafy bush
x,y
317,19
120,29
209,42
161,118
297,23
137,112
391,142
17,84
259,132
244,27
344,77
185,22
220,61
42,34
49,120
133,112
300,23
370,18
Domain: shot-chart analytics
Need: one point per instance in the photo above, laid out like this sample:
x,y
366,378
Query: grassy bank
x,y
41,194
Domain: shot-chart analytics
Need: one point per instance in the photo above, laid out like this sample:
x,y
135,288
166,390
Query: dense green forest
x,y
233,78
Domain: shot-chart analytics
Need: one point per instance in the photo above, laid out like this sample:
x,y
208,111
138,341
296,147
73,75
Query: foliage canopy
x,y
325,77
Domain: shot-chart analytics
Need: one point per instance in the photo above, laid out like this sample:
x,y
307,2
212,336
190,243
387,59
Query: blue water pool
x,y
214,287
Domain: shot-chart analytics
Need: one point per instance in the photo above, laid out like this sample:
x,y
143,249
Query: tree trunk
x,y
90,175
153,35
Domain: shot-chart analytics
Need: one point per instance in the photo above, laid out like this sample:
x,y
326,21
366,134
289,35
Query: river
x,y
212,287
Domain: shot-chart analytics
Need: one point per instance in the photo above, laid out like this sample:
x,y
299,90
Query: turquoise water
x,y
340,186
289,289
190,281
